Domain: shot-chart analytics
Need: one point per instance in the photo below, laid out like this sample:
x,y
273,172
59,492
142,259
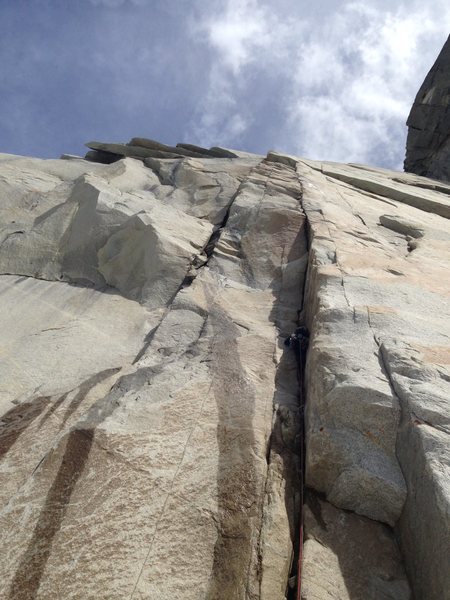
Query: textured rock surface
x,y
142,148
347,557
141,471
377,302
151,428
428,143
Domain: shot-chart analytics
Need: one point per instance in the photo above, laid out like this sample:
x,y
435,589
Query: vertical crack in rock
x,y
197,449
236,476
300,348
191,273
298,344
418,439
328,303
285,452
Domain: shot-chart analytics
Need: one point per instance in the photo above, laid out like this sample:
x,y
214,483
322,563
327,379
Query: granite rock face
x,y
377,303
151,429
349,557
428,142
136,459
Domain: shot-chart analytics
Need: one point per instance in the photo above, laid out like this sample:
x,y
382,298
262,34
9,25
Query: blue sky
x,y
331,80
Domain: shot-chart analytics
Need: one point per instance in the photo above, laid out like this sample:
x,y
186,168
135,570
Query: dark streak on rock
x,y
15,421
237,480
56,404
83,390
25,584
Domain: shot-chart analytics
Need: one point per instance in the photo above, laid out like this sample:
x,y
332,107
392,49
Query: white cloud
x,y
348,75
239,35
351,101
240,31
333,79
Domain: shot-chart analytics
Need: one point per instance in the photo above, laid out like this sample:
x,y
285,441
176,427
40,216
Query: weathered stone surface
x,y
389,185
193,148
151,429
421,375
156,460
347,557
163,149
377,302
95,233
428,142
221,152
142,148
203,190
102,156
134,151
41,318
71,157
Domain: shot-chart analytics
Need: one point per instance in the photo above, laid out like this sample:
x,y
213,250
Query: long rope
x,y
302,470
298,341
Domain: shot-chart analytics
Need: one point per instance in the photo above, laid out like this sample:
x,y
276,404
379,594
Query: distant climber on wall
x,y
298,341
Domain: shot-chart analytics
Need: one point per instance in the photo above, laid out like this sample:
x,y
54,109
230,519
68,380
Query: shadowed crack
x,y
208,250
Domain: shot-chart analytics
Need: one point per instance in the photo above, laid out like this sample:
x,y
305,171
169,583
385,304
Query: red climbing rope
x,y
298,341
300,558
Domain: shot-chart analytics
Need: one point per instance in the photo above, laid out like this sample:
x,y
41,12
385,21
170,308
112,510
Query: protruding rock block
x,y
349,557
143,148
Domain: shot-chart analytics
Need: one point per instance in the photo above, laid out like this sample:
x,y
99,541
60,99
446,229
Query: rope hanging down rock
x,y
298,342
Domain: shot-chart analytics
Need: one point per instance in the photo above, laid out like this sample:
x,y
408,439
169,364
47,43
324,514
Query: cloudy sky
x,y
329,79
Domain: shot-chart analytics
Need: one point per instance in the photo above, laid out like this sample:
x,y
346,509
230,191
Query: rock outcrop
x,y
151,427
428,142
145,150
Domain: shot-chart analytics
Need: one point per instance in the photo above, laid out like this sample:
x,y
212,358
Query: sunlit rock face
x,y
428,143
143,317
152,426
378,375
